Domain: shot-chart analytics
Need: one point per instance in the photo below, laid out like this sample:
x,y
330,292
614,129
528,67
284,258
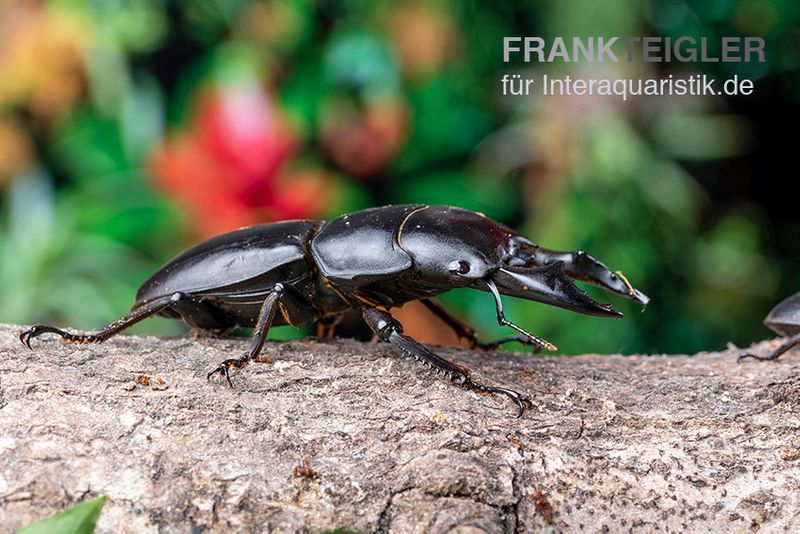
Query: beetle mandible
x,y
307,271
784,320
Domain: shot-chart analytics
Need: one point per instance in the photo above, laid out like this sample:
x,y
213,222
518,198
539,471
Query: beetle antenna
x,y
501,319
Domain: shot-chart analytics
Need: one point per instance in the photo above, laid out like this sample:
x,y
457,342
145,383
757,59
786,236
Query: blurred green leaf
x,y
88,146
207,21
447,127
491,196
702,137
654,187
78,519
349,196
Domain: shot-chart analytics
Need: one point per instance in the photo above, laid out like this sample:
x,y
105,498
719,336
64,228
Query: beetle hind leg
x,y
785,347
136,315
326,327
211,333
389,330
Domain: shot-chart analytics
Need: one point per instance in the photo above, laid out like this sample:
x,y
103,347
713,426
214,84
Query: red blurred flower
x,y
230,168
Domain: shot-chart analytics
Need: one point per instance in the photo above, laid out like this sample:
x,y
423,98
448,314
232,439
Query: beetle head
x,y
452,247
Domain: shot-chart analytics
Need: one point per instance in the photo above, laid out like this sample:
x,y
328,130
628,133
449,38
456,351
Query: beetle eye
x,y
459,267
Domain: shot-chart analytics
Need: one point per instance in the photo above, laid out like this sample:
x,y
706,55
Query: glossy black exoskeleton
x,y
784,320
304,272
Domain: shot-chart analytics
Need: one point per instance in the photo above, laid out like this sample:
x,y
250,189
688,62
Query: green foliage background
x,y
684,195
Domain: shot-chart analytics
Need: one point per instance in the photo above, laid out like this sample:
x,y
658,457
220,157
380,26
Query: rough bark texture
x,y
617,443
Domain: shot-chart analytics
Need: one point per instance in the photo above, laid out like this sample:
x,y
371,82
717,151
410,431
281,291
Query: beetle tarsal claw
x,y
764,358
747,354
37,330
224,368
521,401
25,338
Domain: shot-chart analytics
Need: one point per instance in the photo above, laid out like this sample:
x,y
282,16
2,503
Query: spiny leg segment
x,y
390,330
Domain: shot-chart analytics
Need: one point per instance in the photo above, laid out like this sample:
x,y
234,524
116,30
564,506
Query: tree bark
x,y
341,434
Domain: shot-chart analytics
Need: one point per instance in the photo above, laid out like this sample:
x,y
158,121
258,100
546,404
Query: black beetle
x,y
304,272
784,320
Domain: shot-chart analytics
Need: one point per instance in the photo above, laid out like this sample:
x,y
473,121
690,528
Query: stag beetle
x,y
306,271
784,320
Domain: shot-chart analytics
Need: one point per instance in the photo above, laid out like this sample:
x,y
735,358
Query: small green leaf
x,y
80,519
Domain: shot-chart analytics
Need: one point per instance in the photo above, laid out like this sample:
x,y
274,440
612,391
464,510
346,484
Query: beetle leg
x,y
501,319
390,330
263,323
785,346
136,315
325,331
465,331
213,333
582,266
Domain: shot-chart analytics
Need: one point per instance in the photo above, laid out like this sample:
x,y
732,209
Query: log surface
x,y
614,443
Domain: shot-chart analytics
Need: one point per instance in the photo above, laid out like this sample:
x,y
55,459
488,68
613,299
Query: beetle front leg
x,y
785,347
464,331
537,342
265,318
390,330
